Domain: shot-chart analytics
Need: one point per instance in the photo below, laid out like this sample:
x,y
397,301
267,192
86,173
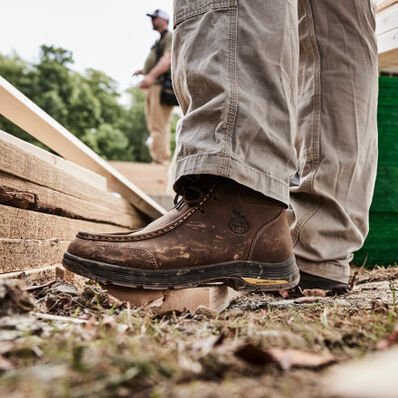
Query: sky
x,y
111,36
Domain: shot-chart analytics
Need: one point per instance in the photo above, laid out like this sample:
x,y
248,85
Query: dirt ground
x,y
57,342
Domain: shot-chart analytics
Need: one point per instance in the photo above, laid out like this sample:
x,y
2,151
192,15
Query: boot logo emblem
x,y
238,223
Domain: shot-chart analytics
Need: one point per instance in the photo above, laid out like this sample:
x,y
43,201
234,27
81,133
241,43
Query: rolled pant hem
x,y
329,270
243,174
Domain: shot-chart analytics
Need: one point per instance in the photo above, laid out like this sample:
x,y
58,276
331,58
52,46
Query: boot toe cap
x,y
113,253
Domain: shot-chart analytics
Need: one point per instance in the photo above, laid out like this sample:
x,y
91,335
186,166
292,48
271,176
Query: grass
x,y
124,352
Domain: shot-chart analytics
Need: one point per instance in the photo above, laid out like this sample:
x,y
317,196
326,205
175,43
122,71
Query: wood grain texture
x,y
20,163
89,177
26,195
383,4
24,113
18,223
214,298
24,254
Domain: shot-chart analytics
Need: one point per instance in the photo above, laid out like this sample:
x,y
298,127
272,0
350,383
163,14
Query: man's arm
x,y
161,67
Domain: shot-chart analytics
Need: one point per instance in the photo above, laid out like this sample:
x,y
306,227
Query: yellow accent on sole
x,y
263,282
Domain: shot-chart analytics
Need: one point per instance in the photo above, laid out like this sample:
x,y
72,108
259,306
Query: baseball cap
x,y
160,14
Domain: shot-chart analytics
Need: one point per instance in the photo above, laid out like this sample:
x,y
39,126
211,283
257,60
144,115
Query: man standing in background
x,y
156,69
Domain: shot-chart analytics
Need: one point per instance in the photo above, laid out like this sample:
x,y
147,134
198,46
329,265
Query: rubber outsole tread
x,y
230,274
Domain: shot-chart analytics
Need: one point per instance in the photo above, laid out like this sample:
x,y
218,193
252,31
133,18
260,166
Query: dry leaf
x,y
5,364
389,341
314,292
156,303
205,346
307,300
287,359
205,311
284,293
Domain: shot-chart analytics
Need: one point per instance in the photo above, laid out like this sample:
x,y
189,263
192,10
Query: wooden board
x,y
26,195
25,224
387,34
89,177
382,4
214,298
45,274
388,60
24,254
24,113
20,163
387,20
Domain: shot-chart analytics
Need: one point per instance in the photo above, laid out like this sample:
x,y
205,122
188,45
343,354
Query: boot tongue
x,y
192,189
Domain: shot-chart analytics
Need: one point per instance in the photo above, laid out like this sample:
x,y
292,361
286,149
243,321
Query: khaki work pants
x,y
281,96
158,122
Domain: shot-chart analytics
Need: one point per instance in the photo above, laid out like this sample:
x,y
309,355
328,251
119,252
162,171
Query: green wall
x,y
381,244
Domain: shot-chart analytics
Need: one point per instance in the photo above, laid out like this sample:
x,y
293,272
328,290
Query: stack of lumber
x,y
45,200
387,34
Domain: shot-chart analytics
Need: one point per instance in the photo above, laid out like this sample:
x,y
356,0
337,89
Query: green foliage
x,y
87,104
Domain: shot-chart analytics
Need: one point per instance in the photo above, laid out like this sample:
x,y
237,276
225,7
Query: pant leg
x,y
337,134
158,122
235,75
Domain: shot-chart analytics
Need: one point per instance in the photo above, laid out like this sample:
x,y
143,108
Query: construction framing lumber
x,y
89,177
25,224
382,4
387,36
24,113
24,254
21,163
20,193
215,298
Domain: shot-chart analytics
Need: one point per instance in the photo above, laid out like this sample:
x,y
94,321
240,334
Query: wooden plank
x,y
25,224
45,274
39,275
89,177
388,59
387,20
24,254
24,113
216,299
382,4
20,163
26,195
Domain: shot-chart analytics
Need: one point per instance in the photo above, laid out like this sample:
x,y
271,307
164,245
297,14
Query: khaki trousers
x,y
158,122
281,96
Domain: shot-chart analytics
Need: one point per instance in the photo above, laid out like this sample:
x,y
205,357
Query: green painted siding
x,y
381,244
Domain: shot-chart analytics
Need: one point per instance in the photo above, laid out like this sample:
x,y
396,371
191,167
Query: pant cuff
x,y
241,173
329,270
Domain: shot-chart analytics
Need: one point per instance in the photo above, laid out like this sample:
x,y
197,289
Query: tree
x,y
133,124
86,104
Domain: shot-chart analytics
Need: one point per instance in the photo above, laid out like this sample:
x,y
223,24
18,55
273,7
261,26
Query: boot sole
x,y
240,275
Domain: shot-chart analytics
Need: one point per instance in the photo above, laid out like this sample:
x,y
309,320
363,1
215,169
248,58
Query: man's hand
x,y
138,72
147,82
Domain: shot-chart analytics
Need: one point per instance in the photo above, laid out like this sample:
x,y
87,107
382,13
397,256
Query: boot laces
x,y
190,195
193,194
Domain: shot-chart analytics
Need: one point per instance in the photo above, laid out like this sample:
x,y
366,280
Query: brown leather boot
x,y
219,232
